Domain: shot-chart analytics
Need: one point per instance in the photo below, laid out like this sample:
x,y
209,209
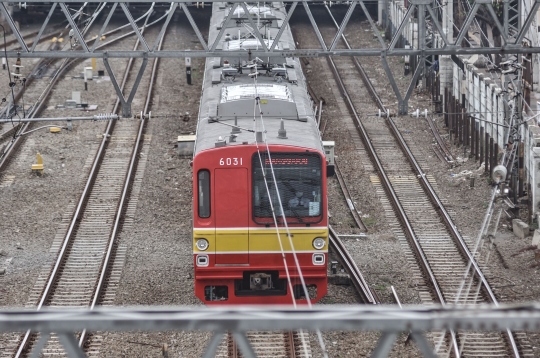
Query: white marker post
x,y
188,70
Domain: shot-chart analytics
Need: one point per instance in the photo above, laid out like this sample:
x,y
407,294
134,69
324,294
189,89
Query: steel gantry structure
x,y
512,34
389,320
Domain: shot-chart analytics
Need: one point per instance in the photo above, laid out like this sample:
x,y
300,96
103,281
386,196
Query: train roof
x,y
237,90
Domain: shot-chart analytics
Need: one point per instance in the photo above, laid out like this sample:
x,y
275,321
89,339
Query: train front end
x,y
260,227
260,224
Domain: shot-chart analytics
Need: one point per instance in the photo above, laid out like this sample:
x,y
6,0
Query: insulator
x,y
105,116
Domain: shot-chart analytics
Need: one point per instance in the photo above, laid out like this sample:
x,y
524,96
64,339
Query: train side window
x,y
204,193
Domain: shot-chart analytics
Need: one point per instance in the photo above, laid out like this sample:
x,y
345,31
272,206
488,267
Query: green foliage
x,y
369,221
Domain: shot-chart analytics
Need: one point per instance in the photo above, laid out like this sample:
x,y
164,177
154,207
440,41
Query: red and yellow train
x,y
259,175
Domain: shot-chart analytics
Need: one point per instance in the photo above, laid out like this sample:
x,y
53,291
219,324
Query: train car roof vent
x,y
282,133
220,142
258,137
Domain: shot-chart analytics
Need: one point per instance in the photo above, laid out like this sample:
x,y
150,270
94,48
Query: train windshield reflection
x,y
296,180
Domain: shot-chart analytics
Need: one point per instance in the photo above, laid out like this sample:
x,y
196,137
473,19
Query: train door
x,y
232,216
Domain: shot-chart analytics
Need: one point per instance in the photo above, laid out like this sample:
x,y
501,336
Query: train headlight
x,y
202,244
319,243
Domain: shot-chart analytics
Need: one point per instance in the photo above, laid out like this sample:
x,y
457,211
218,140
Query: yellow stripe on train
x,y
258,240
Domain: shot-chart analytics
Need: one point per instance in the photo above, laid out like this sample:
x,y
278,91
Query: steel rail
x,y
290,342
396,297
24,342
238,344
348,198
125,193
443,213
17,140
33,33
427,186
399,210
16,130
428,189
82,202
41,61
439,154
440,142
350,266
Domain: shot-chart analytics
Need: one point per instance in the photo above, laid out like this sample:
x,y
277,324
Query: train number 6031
x,y
230,161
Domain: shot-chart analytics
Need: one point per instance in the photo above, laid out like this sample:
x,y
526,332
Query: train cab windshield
x,y
296,180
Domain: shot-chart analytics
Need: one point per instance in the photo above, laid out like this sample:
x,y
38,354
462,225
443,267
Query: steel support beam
x,y
510,49
43,338
511,46
222,30
284,26
530,18
438,26
213,345
239,319
402,108
164,27
126,104
314,24
134,26
399,31
97,117
194,26
76,31
256,31
390,320
245,346
40,33
71,345
467,24
504,34
14,28
385,344
372,23
102,30
343,25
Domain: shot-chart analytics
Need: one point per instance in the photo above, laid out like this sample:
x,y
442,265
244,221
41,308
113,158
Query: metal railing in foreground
x,y
389,320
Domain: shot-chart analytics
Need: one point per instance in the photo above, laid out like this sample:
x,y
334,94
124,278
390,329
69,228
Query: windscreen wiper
x,y
297,215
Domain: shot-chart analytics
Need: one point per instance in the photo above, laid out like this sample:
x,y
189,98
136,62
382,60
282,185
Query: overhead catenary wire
x,y
257,105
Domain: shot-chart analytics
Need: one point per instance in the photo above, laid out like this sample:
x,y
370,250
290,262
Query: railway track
x,y
421,222
348,198
89,251
11,139
441,150
362,288
277,344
